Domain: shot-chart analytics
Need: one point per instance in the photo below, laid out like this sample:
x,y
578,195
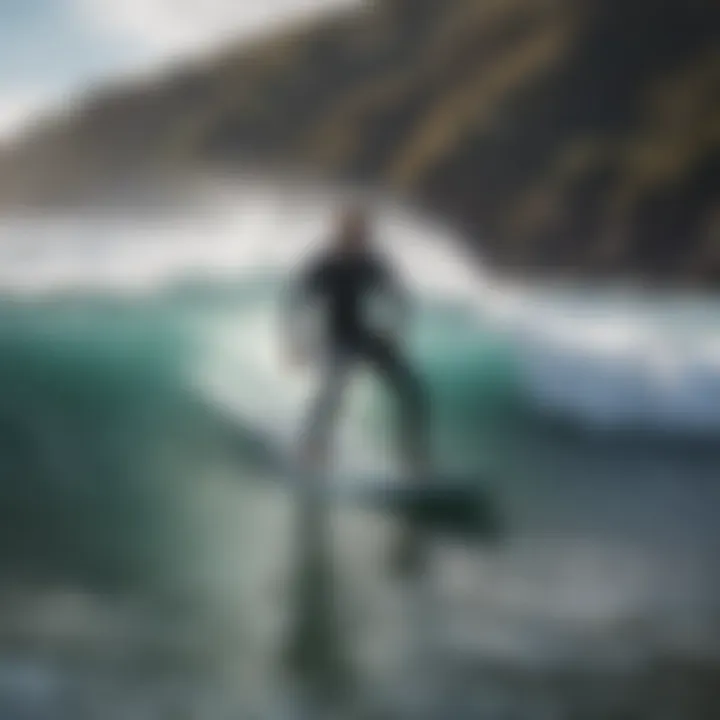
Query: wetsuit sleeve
x,y
392,286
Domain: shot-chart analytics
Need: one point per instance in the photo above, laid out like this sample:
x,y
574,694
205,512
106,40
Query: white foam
x,y
611,360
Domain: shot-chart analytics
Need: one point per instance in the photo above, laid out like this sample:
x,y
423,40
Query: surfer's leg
x,y
317,428
314,654
409,554
413,405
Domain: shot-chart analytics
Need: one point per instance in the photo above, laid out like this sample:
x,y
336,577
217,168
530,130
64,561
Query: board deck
x,y
447,503
460,506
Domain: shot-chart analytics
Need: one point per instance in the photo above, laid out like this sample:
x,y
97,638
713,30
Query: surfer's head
x,y
353,233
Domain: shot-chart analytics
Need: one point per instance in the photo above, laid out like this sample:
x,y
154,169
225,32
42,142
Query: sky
x,y
51,50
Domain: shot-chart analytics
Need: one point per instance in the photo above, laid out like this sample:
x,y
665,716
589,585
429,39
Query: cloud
x,y
64,48
164,27
17,109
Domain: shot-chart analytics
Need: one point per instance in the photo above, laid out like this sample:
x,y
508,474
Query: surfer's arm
x,y
401,301
298,298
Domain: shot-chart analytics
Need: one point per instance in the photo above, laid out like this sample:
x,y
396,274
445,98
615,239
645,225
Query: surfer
x,y
343,280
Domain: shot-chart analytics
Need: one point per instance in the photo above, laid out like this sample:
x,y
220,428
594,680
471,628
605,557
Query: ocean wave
x,y
601,359
103,440
619,361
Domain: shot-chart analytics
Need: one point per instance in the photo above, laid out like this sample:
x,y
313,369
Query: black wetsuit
x,y
342,283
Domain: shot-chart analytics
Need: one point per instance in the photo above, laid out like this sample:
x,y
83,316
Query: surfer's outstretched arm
x,y
393,286
295,306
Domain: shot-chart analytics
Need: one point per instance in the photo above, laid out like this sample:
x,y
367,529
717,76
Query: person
x,y
342,280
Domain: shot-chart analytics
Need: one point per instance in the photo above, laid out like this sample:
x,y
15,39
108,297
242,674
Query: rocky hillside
x,y
567,135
